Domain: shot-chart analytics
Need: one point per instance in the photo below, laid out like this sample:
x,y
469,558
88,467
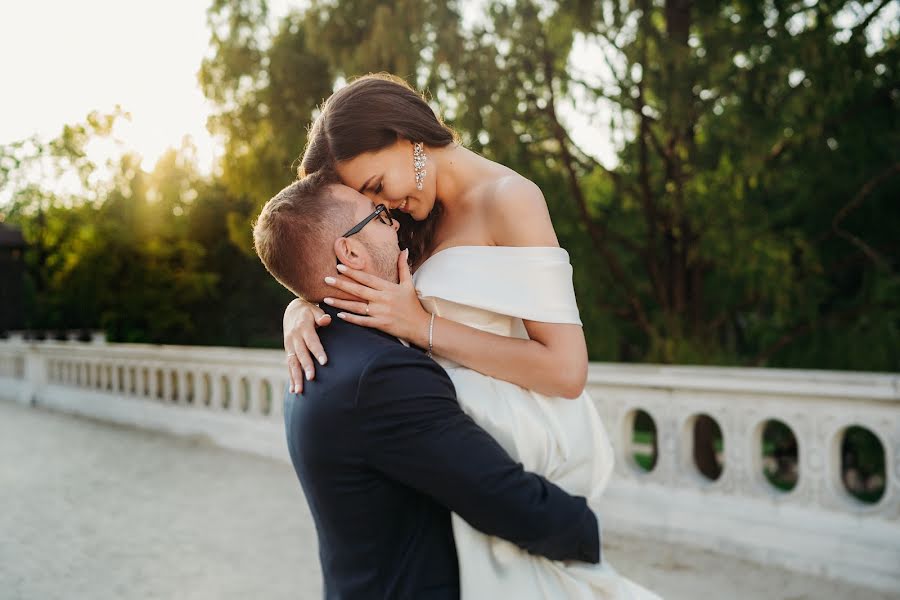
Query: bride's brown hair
x,y
369,114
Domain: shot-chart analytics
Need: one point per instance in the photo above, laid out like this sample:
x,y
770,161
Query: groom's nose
x,y
396,225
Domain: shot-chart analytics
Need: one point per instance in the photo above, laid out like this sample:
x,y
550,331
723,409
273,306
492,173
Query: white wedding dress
x,y
493,288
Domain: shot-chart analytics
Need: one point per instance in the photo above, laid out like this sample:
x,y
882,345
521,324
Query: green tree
x,y
267,84
748,216
753,131
741,221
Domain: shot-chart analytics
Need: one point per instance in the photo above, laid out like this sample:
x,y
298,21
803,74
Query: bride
x,y
491,298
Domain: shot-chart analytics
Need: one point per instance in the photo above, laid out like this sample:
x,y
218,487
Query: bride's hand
x,y
391,307
300,339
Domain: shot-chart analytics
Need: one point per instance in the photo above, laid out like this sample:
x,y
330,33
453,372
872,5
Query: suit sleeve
x,y
414,431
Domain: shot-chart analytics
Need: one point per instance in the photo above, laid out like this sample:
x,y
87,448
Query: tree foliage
x,y
146,256
748,217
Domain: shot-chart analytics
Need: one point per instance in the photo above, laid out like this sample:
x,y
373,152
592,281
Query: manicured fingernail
x,y
308,375
328,300
342,315
342,268
322,360
329,280
295,389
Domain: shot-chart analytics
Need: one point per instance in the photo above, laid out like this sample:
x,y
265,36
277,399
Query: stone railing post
x,y
183,392
153,387
35,376
218,390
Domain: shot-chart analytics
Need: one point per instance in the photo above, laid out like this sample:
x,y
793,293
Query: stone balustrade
x,y
233,397
818,526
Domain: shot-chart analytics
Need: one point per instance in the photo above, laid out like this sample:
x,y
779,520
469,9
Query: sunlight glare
x,y
76,57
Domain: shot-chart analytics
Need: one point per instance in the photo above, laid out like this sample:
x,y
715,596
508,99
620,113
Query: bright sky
x,y
63,59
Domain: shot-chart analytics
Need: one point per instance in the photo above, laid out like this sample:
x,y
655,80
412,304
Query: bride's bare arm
x,y
301,341
554,361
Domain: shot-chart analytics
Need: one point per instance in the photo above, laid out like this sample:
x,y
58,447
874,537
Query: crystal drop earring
x,y
419,159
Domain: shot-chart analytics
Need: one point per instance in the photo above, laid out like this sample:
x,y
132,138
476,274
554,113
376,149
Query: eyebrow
x,y
366,184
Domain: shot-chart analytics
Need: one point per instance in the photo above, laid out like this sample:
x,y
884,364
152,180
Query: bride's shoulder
x,y
516,213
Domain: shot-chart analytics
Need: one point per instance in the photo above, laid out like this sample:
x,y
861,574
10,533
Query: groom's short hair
x,y
294,233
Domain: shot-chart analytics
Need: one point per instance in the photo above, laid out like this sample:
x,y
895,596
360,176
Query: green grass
x,y
643,437
645,461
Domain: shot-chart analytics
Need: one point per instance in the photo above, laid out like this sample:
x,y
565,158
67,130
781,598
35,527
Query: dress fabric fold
x,y
495,289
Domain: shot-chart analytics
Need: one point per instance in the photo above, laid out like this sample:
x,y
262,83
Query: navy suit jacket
x,y
384,452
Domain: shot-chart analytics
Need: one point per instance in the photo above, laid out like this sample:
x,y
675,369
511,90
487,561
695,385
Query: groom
x,y
380,445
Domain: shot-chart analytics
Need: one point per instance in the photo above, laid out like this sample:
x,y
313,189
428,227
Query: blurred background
x,y
725,175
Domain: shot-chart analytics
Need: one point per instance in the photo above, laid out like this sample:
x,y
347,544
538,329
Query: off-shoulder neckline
x,y
471,247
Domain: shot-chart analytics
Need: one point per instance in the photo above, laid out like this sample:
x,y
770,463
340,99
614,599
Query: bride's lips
x,y
402,205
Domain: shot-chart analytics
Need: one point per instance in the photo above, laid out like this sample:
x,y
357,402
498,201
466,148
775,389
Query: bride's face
x,y
388,177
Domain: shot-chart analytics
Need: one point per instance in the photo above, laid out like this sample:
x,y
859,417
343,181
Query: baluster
x,y
181,374
219,391
151,381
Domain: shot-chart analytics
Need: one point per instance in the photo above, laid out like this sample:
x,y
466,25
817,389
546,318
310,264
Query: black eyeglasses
x,y
383,214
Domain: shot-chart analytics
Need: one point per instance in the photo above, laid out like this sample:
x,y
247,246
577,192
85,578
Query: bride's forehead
x,y
363,164
354,171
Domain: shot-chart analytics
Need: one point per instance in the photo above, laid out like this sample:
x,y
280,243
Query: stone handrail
x,y
233,396
818,526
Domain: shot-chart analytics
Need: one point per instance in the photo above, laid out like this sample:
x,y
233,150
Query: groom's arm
x,y
414,431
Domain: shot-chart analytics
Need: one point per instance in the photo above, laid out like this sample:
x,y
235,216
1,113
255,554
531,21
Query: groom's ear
x,y
351,253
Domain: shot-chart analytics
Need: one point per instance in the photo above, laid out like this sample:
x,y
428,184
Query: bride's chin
x,y
421,211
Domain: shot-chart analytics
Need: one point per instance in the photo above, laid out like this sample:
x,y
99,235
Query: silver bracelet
x,y
430,337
